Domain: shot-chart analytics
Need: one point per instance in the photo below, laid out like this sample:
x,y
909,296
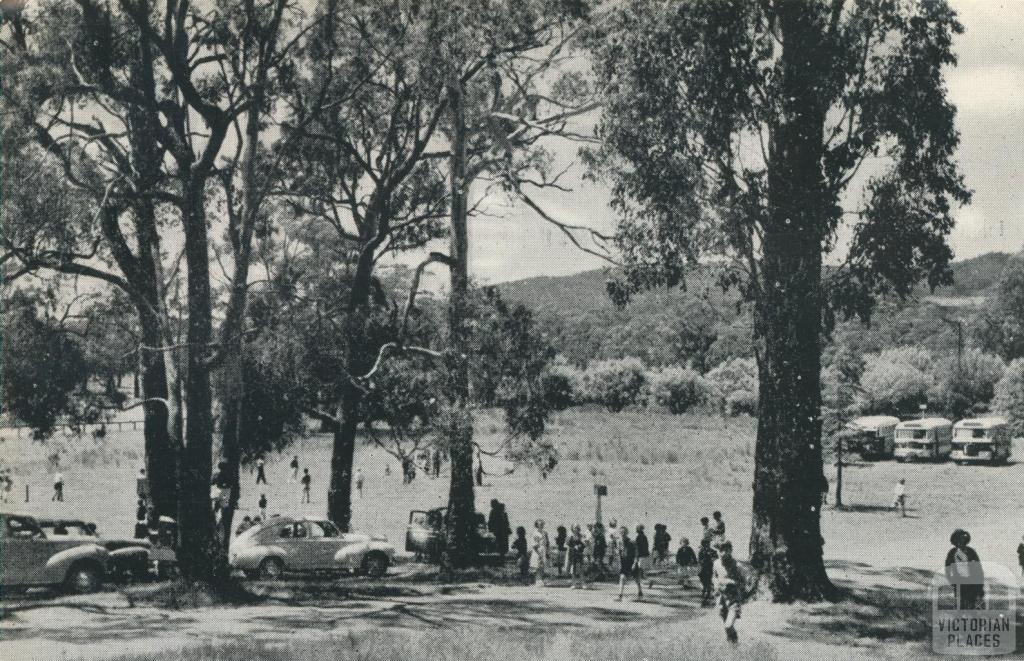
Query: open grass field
x,y
658,468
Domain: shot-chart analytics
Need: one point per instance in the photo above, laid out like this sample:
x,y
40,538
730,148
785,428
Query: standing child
x,y
730,586
705,532
661,542
561,536
600,546
539,551
613,541
643,553
522,549
717,529
686,560
629,565
574,557
295,468
359,483
263,506
261,474
306,481
705,563
58,487
899,503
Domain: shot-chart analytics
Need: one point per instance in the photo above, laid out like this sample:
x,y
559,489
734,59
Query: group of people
x,y
578,550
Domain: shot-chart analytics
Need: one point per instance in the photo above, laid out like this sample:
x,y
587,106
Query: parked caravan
x,y
925,439
981,440
873,436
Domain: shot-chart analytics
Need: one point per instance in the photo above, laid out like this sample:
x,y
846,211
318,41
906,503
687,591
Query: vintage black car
x,y
425,537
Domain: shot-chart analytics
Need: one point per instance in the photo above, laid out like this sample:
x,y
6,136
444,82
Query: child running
x,y
730,587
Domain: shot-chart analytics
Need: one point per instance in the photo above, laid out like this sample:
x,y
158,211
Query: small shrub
x,y
741,402
558,390
679,389
616,384
738,375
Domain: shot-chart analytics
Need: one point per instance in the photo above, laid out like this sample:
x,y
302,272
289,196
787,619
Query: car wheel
x,y
83,579
270,569
375,565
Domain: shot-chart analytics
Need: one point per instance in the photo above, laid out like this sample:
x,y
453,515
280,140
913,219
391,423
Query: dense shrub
x,y
741,402
895,381
679,389
616,384
960,388
731,378
558,390
1009,396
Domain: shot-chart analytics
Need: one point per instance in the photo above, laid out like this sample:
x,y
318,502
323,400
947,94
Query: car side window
x,y
286,532
300,531
20,528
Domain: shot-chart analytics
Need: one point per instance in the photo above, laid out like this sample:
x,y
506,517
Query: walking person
x,y
306,482
629,565
261,473
437,463
686,561
522,549
540,548
964,571
661,543
498,525
899,503
643,554
263,506
575,547
58,487
730,588
359,483
295,468
705,569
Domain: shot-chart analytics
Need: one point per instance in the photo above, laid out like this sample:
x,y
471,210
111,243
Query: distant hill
x,y
667,326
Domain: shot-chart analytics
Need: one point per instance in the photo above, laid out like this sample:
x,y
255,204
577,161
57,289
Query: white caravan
x,y
873,436
981,440
928,438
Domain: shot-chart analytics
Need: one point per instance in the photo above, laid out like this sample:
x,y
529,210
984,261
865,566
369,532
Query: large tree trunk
x,y
339,494
460,547
200,554
786,542
161,459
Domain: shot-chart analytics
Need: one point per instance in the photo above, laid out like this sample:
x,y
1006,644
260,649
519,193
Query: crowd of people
x,y
583,553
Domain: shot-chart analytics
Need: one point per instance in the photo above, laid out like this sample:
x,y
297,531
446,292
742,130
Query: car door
x,y
19,565
322,542
288,543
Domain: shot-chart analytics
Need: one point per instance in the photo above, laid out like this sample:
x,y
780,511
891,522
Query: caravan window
x,y
913,433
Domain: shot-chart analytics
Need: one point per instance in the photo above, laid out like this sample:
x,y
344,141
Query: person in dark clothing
x,y
686,560
628,564
600,546
522,550
498,525
705,567
561,535
306,481
964,571
437,473
643,553
1020,557
141,514
661,542
261,472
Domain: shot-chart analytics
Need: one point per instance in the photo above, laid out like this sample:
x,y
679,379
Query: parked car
x,y
130,558
29,557
425,536
303,544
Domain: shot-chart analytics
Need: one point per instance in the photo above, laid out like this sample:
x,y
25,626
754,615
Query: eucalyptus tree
x,y
761,133
146,106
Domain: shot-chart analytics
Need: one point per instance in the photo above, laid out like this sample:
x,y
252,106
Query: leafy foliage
x,y
1009,396
680,389
616,384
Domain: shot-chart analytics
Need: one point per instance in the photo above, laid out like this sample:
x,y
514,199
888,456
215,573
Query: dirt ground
x,y
658,469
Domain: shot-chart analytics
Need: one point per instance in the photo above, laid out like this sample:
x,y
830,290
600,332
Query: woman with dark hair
x,y
964,571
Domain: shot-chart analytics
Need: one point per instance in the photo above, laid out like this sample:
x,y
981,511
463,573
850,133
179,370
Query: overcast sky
x,y
987,88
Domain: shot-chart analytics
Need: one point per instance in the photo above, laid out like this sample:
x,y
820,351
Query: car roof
x,y
981,423
874,421
924,423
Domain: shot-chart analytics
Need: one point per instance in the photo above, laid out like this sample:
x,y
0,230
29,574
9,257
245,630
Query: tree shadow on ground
x,y
861,508
872,613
